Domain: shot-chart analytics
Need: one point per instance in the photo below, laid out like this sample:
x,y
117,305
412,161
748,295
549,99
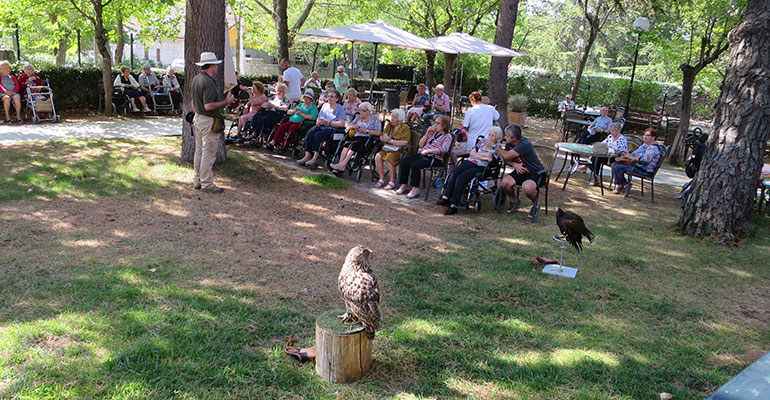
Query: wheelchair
x,y
294,141
485,182
357,162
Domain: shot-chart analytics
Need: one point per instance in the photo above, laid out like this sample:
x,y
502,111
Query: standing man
x,y
521,155
293,78
341,80
208,122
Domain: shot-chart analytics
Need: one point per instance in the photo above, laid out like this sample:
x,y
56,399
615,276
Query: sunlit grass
x,y
325,181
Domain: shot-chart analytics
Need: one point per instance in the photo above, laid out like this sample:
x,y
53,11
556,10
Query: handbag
x,y
219,125
600,148
624,160
390,147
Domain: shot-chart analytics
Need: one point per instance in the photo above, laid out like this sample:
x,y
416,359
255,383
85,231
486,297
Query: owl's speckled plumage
x,y
359,289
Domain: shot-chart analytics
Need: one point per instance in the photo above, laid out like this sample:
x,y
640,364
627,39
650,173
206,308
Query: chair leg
x,y
628,187
642,185
652,191
428,184
546,199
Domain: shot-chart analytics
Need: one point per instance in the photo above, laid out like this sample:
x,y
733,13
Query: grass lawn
x,y
121,282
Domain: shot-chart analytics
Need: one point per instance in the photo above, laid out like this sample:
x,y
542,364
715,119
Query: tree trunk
x,y
281,19
677,146
120,42
722,198
449,69
61,50
430,68
102,44
582,64
202,33
498,69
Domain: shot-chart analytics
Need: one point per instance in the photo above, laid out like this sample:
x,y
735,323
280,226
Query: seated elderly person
x,y
130,87
421,100
597,128
521,155
28,78
352,103
148,82
566,104
306,111
330,118
642,161
313,82
270,112
616,144
322,97
363,127
9,92
440,104
481,155
257,98
395,135
436,141
172,87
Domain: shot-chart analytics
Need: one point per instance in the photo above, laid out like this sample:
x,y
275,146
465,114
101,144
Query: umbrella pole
x,y
374,65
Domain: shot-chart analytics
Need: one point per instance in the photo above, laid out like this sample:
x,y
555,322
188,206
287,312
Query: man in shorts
x,y
520,154
207,104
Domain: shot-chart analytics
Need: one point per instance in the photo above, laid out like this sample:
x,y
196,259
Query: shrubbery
x,y
78,88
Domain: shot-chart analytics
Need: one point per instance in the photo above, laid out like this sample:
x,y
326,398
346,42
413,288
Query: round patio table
x,y
575,151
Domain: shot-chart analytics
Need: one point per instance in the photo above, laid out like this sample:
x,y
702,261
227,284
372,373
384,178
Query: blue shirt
x,y
422,100
338,114
601,123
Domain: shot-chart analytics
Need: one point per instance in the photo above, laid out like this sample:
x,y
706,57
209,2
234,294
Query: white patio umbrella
x,y
463,43
375,32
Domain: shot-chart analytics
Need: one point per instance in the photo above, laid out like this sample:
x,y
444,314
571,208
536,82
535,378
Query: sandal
x,y
379,183
302,355
513,206
390,186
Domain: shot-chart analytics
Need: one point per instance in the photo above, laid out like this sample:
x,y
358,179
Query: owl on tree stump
x,y
359,289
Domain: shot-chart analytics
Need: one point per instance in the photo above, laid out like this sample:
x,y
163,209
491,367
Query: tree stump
x,y
343,352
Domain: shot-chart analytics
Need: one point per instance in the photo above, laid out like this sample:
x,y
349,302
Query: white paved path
x,y
173,126
91,129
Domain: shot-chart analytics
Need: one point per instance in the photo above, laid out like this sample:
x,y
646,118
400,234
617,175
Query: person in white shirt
x,y
172,87
478,119
313,81
566,104
293,79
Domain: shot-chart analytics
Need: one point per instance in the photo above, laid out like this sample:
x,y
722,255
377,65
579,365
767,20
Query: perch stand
x,y
343,352
559,269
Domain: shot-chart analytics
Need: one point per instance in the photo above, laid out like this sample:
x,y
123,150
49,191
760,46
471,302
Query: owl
x,y
359,289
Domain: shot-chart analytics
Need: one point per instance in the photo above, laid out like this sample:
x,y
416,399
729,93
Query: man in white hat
x,y
566,104
208,123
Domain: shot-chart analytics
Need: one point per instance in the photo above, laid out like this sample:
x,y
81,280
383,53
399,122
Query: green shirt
x,y
312,110
204,91
339,81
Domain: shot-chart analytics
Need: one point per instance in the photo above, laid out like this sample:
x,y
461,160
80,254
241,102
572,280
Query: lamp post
x,y
641,24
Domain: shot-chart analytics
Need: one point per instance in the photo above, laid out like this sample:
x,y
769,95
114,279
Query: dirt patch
x,y
723,360
55,342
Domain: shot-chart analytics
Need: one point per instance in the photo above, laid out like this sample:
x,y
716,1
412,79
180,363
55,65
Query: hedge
x,y
77,88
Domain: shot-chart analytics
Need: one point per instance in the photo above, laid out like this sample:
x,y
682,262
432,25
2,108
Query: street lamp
x,y
641,24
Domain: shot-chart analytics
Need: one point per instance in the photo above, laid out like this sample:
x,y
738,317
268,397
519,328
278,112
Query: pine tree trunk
x,y
449,69
120,42
722,198
281,18
102,44
498,69
677,146
430,68
202,33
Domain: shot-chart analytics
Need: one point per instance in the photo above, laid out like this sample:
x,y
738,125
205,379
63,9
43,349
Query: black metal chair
x,y
650,177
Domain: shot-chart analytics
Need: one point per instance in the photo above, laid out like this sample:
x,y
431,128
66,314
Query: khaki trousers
x,y
206,143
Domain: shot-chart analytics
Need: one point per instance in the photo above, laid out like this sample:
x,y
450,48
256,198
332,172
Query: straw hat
x,y
208,57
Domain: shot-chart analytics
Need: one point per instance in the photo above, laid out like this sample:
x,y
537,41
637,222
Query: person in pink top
x,y
256,98
9,92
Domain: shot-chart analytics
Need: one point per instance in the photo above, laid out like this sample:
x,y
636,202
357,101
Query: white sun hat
x,y
208,57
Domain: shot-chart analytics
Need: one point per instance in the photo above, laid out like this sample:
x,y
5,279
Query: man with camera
x,y
520,154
